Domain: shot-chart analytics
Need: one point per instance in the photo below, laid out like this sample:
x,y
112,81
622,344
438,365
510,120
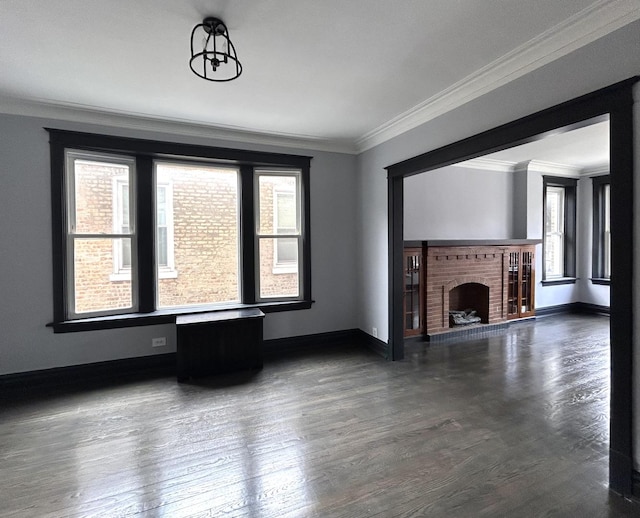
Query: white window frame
x,y
71,156
120,272
558,235
167,271
283,267
298,234
170,271
123,273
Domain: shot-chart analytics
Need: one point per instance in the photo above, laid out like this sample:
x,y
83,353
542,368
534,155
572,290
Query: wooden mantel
x,y
472,242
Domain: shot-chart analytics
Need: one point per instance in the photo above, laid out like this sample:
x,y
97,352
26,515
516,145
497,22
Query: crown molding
x,y
596,170
488,164
593,22
539,166
70,112
554,169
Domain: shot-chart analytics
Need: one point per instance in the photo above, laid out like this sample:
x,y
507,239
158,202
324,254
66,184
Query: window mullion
x,y
305,229
248,234
145,232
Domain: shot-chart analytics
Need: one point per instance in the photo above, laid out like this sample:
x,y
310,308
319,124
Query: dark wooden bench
x,y
219,342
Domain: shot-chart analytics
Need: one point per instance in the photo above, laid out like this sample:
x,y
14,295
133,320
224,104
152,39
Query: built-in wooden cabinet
x,y
521,282
413,292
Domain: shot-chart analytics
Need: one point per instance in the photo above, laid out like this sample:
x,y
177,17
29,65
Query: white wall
x,y
458,203
26,304
612,58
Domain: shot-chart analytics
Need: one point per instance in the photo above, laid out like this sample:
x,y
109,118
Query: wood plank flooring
x,y
515,424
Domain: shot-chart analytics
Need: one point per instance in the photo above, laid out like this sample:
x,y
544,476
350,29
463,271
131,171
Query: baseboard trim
x,y
592,309
374,344
583,308
559,309
157,364
165,364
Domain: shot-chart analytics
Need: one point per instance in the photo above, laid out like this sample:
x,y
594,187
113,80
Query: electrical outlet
x,y
159,342
375,332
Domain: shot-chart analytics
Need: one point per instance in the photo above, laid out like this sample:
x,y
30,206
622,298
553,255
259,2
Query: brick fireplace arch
x,y
468,293
449,267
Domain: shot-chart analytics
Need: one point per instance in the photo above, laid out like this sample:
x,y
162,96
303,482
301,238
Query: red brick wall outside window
x,y
204,223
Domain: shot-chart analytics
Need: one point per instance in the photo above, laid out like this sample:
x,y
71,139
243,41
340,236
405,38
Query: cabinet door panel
x,y
413,291
521,283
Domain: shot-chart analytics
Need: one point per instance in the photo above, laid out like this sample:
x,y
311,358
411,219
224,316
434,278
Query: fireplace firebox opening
x,y
470,297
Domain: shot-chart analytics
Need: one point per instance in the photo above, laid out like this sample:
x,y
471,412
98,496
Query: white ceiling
x,y
342,74
581,150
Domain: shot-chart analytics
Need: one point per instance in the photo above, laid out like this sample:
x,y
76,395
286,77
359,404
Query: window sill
x,y
165,316
558,281
164,273
602,281
279,269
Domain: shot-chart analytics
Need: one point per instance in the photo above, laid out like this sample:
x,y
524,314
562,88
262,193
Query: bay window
x,y
145,230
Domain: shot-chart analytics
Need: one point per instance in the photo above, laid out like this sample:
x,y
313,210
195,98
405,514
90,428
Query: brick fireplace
x,y
462,275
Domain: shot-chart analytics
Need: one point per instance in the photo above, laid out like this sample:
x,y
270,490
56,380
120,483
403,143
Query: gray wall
x,y
26,281
612,58
458,203
463,203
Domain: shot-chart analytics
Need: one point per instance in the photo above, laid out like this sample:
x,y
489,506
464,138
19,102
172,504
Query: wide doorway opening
x,y
616,103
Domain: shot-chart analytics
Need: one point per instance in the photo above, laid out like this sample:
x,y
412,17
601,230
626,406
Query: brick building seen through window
x,y
197,235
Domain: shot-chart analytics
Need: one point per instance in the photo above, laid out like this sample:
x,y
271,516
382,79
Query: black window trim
x,y
570,190
145,151
597,264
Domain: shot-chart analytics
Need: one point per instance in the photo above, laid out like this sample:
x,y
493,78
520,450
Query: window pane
x,y
162,247
278,204
286,251
607,231
125,251
121,225
554,232
285,213
607,209
607,256
99,204
164,226
278,213
554,256
555,210
276,280
161,205
95,286
205,235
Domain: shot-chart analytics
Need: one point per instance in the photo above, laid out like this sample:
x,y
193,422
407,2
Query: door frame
x,y
616,102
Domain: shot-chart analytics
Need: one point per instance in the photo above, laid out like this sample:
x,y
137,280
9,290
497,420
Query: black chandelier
x,y
213,56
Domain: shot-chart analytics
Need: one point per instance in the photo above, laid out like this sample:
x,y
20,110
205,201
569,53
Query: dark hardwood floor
x,y
510,425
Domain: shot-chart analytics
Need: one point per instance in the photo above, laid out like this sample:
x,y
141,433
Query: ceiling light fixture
x,y
213,56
